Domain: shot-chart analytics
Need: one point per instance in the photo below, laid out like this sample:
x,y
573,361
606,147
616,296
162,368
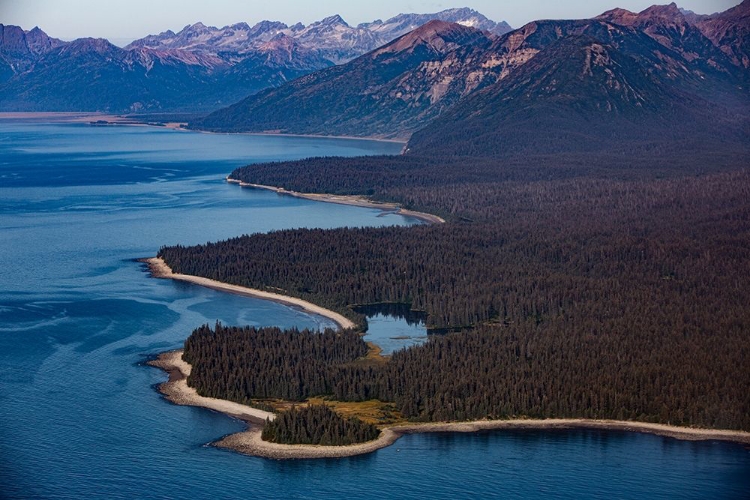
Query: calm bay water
x,y
79,414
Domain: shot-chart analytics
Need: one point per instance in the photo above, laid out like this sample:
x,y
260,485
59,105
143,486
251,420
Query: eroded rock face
x,y
675,28
598,85
730,32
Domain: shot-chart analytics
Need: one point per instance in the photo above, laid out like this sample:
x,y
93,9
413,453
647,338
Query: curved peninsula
x,y
250,442
177,390
159,269
572,316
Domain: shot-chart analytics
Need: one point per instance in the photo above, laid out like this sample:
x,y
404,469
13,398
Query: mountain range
x,y
200,68
654,84
620,80
332,38
623,81
387,92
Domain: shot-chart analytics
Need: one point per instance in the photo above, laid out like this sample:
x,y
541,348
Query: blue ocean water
x,y
79,413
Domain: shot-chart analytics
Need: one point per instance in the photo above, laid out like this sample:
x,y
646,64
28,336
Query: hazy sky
x,y
124,20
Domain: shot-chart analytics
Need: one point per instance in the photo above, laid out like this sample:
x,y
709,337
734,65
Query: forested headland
x,y
600,295
595,262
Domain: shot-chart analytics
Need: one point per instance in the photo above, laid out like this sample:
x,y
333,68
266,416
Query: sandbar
x,y
90,117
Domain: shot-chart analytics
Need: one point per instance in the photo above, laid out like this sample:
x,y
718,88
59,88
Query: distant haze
x,y
122,21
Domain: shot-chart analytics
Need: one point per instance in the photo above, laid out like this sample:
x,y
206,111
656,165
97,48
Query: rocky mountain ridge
x,y
332,37
399,86
198,69
622,84
373,96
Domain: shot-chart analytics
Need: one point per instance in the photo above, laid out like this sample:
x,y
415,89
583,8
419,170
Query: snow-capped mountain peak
x,y
332,37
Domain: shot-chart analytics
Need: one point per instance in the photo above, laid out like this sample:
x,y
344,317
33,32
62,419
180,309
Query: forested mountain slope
x,y
584,95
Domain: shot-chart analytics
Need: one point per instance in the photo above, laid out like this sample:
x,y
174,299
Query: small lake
x,y
393,326
80,416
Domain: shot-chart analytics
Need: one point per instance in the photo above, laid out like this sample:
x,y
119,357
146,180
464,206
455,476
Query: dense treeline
x,y
678,244
317,424
241,364
485,189
613,294
559,368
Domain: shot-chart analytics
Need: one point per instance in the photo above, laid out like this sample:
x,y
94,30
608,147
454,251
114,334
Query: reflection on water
x,y
393,326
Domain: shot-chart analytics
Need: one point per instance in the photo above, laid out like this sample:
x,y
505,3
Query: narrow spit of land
x,y
159,269
357,201
92,118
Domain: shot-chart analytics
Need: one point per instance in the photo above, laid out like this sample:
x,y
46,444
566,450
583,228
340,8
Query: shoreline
x,y
249,441
180,393
403,141
125,120
87,118
160,269
353,200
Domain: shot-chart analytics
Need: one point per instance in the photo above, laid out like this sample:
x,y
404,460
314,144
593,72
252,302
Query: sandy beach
x,y
159,269
357,201
179,392
250,442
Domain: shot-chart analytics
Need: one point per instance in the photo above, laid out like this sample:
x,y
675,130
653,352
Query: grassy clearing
x,y
373,411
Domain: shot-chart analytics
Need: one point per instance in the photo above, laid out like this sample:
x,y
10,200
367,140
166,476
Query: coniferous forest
x,y
605,294
260,363
317,424
595,261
